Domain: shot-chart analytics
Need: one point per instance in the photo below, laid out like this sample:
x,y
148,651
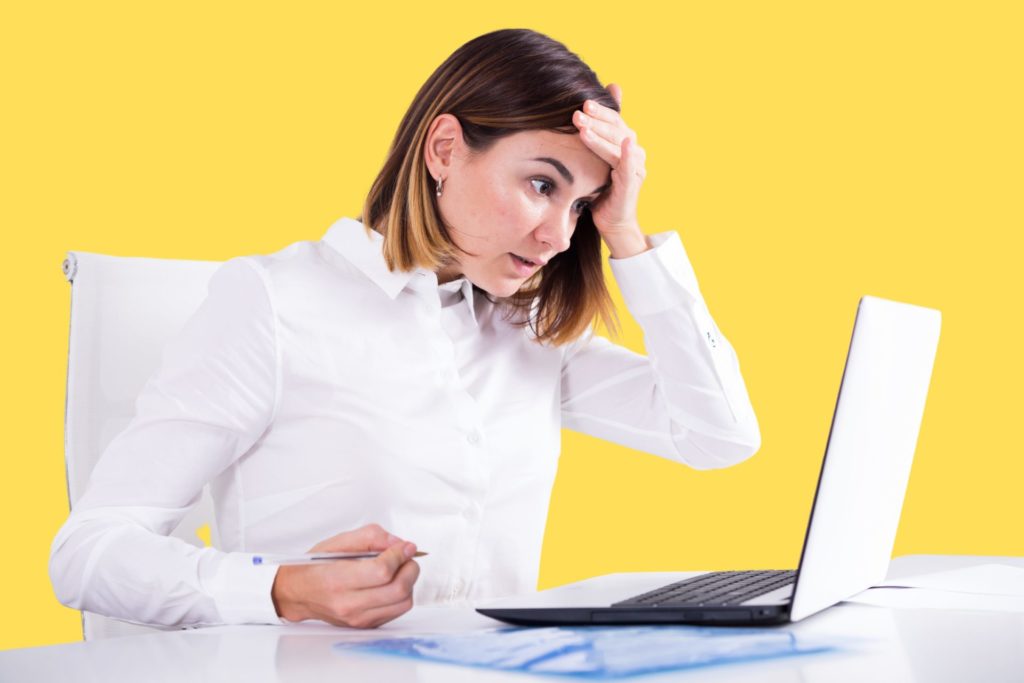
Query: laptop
x,y
853,521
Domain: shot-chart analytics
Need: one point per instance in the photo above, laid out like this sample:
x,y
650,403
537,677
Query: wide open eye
x,y
543,181
580,207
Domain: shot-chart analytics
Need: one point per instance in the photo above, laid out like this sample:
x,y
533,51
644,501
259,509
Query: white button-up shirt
x,y
319,392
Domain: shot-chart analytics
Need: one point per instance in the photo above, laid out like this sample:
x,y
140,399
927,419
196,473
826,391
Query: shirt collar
x,y
459,289
363,248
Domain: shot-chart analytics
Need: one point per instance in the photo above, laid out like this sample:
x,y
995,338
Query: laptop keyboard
x,y
715,588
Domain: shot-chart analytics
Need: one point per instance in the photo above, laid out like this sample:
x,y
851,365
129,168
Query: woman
x,y
408,375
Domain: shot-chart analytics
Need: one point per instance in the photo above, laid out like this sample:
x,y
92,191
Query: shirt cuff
x,y
655,280
242,591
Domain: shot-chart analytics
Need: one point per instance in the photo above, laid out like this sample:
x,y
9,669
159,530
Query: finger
x,y
357,603
633,160
380,570
616,91
613,132
602,147
605,120
369,537
634,155
601,112
396,591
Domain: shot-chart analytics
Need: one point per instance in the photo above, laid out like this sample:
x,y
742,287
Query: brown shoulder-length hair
x,y
496,85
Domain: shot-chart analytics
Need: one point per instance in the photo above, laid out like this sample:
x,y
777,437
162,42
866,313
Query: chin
x,y
501,289
501,292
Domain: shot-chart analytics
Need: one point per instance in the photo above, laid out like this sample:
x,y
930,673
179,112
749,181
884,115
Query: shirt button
x,y
712,340
473,438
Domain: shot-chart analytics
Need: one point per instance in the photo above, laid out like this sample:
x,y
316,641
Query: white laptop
x,y
853,520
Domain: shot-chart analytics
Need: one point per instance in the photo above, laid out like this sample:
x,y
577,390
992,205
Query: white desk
x,y
896,645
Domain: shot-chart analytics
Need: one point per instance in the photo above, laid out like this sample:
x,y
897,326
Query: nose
x,y
556,230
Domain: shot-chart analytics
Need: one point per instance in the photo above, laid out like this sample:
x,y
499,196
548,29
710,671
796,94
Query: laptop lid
x,y
870,448
857,503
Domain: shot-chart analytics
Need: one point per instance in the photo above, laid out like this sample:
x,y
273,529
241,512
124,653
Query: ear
x,y
443,144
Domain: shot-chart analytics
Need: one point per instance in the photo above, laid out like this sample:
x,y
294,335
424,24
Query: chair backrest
x,y
123,310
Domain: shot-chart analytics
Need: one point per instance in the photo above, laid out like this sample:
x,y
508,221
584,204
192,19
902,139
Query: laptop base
x,y
756,615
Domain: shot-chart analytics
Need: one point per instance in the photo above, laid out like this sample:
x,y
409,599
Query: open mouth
x,y
524,267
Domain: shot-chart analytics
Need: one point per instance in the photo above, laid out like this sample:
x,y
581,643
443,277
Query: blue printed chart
x,y
597,652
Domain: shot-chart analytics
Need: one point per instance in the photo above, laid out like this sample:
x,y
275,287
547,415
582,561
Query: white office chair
x,y
123,310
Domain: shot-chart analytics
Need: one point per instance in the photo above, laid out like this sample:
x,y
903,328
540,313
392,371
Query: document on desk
x,y
996,587
597,651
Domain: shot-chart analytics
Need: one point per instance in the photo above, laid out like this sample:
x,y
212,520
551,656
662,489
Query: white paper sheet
x,y
927,598
984,579
990,587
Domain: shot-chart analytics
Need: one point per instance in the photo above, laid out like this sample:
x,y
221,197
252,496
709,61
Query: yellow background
x,y
807,153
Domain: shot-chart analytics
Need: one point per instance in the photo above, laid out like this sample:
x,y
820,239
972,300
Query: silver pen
x,y
317,558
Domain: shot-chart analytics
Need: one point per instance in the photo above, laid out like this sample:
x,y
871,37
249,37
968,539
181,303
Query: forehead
x,y
524,146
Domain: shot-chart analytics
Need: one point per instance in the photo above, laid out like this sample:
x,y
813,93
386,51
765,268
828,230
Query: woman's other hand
x,y
356,593
605,132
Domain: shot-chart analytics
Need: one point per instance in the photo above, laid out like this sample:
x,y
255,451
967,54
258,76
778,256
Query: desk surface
x,y
896,645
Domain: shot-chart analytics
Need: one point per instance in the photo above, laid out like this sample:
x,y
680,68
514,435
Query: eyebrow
x,y
564,172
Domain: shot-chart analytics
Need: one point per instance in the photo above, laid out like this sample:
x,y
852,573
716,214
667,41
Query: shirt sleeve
x,y
211,399
686,400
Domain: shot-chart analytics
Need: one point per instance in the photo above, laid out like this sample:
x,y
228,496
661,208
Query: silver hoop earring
x,y
440,183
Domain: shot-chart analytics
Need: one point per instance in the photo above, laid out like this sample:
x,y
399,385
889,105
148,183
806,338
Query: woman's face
x,y
520,199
